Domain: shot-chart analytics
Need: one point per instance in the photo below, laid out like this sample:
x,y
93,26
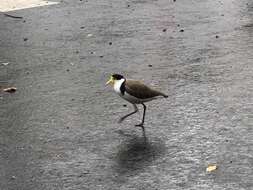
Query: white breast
x,y
127,96
117,85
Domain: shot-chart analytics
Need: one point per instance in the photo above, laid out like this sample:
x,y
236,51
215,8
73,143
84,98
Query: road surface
x,y
59,130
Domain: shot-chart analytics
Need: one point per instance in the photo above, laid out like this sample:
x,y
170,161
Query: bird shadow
x,y
136,152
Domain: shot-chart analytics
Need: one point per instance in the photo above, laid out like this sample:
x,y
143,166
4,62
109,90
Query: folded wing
x,y
140,90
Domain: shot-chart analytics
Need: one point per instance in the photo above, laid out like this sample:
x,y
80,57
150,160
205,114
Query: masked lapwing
x,y
134,92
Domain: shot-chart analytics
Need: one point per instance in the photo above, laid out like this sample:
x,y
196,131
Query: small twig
x,y
8,15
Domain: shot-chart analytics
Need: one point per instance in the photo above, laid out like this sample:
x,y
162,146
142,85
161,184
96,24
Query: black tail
x,y
164,95
161,94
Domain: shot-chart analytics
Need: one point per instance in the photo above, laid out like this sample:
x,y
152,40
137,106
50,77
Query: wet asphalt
x,y
59,129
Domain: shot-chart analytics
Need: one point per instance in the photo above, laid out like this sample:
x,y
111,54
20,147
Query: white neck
x,y
117,85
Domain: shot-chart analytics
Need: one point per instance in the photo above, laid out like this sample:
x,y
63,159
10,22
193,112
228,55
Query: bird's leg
x,y
124,117
143,117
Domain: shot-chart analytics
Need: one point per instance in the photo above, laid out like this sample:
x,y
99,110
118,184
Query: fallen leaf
x,y
10,89
211,168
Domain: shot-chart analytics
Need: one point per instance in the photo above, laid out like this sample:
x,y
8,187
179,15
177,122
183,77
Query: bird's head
x,y
115,78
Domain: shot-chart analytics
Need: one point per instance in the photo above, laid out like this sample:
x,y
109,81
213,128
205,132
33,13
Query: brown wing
x,y
140,90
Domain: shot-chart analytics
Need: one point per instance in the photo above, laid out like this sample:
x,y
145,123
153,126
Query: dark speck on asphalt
x,y
67,70
25,39
150,65
216,36
82,27
182,30
124,105
84,174
164,30
110,43
101,56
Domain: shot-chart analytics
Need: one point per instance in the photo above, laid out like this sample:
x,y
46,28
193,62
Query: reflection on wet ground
x,y
136,153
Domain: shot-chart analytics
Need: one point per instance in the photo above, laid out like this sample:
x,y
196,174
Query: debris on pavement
x,y
12,16
182,30
211,168
10,89
89,35
13,177
5,64
248,25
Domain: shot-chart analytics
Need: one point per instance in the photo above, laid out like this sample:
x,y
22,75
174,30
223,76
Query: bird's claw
x,y
139,125
120,120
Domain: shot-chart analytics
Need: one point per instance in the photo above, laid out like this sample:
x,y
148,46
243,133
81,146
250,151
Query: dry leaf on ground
x,y
211,168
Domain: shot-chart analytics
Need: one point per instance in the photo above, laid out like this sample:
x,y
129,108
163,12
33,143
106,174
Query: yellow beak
x,y
111,80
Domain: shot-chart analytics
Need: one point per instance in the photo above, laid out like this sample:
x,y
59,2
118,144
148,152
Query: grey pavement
x,y
59,130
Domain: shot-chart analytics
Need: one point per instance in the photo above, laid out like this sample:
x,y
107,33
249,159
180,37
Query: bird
x,y
134,92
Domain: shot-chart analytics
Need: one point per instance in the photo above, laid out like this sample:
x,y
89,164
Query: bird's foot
x,y
121,119
140,125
